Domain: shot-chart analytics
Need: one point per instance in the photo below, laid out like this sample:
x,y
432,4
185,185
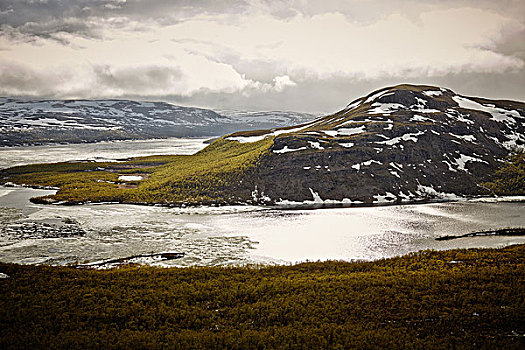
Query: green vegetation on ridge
x,y
509,180
213,175
464,299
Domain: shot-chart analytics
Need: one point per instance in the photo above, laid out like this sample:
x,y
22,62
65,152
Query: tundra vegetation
x,y
464,299
510,178
222,173
213,175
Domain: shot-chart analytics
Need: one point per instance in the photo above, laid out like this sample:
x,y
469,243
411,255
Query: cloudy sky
x,y
304,55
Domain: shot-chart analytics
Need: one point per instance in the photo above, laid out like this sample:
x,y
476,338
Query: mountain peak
x,y
405,142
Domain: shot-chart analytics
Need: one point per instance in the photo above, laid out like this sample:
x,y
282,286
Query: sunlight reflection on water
x,y
225,235
244,234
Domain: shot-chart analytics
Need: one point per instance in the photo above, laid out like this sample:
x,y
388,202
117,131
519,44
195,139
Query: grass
x,y
213,175
509,180
465,299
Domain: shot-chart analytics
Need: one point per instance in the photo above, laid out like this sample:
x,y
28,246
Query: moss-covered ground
x,y
509,180
458,299
213,175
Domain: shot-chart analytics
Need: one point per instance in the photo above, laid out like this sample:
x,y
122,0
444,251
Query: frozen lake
x,y
226,235
100,151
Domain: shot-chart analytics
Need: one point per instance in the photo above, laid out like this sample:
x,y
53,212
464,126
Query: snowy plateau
x,y
27,122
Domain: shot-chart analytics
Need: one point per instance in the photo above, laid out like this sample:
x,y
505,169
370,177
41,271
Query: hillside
x,y
401,143
404,143
26,122
459,299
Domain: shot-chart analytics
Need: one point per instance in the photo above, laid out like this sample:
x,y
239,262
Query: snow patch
x,y
316,201
130,178
317,198
387,198
419,118
365,163
330,132
351,131
463,159
498,114
315,145
245,139
469,138
376,95
353,105
286,149
431,93
385,108
406,137
398,167
346,144
429,191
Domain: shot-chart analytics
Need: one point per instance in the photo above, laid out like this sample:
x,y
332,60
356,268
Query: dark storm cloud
x,y
28,19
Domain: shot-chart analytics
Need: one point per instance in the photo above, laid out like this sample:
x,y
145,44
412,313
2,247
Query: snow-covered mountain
x,y
44,121
401,143
266,120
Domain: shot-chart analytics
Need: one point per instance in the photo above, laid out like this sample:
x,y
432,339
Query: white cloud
x,y
225,53
280,83
329,45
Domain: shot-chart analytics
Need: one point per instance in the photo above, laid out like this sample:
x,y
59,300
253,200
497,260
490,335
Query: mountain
x,y
74,121
405,143
257,120
401,143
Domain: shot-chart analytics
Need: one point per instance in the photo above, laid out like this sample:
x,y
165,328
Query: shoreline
x,y
511,232
307,205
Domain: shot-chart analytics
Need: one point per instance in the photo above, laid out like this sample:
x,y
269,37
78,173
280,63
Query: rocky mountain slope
x,y
47,121
399,144
402,143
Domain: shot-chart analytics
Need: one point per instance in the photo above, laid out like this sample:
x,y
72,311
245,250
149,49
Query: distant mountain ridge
x,y
75,121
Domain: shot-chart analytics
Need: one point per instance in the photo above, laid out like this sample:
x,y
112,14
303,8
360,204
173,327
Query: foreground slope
x,y
464,299
399,144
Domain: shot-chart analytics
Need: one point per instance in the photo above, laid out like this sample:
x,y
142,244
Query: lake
x,y
59,235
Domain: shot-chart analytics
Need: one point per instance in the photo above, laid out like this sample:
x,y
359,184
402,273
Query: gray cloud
x,y
16,80
143,80
229,75
29,19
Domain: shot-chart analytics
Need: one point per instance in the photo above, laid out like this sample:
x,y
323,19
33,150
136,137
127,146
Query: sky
x,y
301,55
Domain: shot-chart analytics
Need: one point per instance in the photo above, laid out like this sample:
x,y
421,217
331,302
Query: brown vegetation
x,y
464,299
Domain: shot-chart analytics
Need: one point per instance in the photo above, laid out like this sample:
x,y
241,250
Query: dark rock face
x,y
405,143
